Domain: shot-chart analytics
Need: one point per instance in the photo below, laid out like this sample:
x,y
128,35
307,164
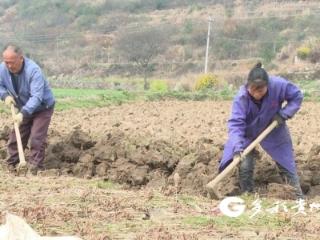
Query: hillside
x,y
85,35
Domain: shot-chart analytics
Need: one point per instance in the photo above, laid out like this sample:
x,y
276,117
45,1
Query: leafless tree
x,y
141,46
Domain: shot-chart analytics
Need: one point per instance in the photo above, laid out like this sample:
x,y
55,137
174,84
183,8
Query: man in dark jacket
x,y
23,84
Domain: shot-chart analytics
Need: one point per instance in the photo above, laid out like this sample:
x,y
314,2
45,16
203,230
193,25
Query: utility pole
x,y
208,43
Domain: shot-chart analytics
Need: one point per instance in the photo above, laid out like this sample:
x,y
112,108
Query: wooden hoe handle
x,y
18,137
212,185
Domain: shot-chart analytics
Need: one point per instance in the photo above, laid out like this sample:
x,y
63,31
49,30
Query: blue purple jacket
x,y
248,121
34,93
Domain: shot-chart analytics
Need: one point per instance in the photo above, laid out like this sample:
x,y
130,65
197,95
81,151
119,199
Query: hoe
x,y
22,166
212,186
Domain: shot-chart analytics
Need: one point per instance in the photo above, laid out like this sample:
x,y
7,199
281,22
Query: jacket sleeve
x,y
294,97
237,124
36,93
3,90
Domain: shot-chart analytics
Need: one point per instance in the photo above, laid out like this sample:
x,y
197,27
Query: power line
x,y
137,28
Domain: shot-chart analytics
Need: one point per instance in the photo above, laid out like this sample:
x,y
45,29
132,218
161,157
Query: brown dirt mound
x,y
281,191
4,135
141,160
134,160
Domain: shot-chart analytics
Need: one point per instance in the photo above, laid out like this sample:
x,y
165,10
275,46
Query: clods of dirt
x,y
280,191
148,143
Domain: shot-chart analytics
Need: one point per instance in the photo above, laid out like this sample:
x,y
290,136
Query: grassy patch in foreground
x,y
105,184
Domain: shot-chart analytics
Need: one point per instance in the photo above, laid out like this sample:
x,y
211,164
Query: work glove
x,y
9,100
237,155
18,118
280,120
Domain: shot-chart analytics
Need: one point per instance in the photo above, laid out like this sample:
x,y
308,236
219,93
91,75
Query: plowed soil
x,y
142,146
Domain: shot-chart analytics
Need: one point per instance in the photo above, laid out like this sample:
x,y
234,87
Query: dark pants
x,y
34,128
246,176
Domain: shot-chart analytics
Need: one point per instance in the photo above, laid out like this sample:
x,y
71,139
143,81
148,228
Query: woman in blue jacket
x,y
23,84
255,106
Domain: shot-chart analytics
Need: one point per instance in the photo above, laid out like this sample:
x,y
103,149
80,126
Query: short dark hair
x,y
258,76
13,47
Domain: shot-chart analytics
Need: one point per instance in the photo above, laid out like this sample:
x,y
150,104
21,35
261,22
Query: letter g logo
x,y
232,206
